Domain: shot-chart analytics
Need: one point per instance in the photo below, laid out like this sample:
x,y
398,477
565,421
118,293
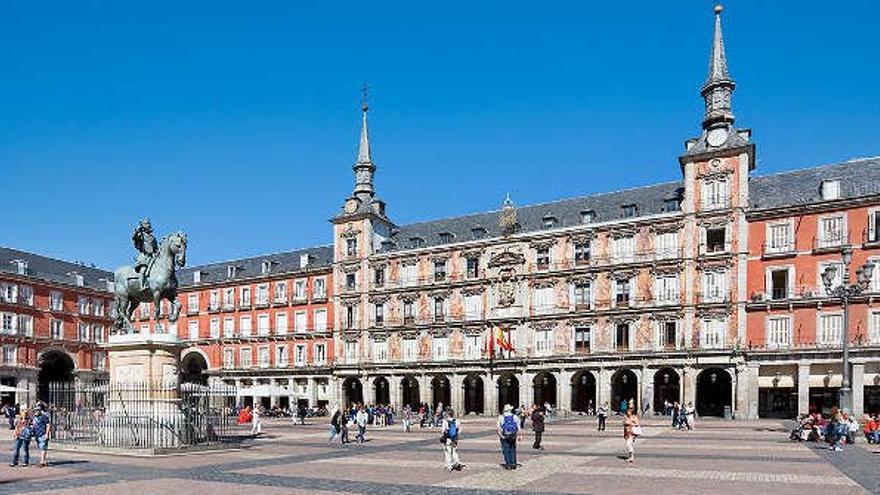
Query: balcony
x,y
715,248
778,250
191,311
320,296
259,304
279,301
713,297
830,244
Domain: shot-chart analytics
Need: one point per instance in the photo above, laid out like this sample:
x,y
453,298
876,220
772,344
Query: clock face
x,y
717,137
351,205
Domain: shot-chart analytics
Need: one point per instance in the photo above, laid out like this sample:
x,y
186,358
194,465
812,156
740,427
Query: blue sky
x,y
237,121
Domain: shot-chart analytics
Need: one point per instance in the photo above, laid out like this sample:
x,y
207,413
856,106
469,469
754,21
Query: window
x,y
281,323
472,347
439,270
439,309
445,237
409,274
26,296
543,342
478,233
621,292
84,333
715,193
714,286
544,300
245,326
319,288
299,289
9,323
228,298
667,335
582,341
56,301
779,239
830,189
473,267
582,296
350,281
263,356
350,352
193,328
245,299
320,353
26,325
281,357
228,358
416,242
230,271
350,317
548,222
874,327
145,310
281,292
214,300
712,333
873,227
21,267
409,350
473,306
228,327
670,205
56,328
666,289
192,303
351,247
263,325
82,304
408,314
666,245
542,256
830,329
262,298
379,276
99,360
629,211
380,351
215,328
716,239
624,248
779,332
440,348
582,252
320,320
621,336
379,313
779,283
832,231
10,353
588,216
246,356
299,321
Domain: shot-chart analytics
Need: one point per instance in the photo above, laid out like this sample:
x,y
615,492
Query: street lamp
x,y
845,292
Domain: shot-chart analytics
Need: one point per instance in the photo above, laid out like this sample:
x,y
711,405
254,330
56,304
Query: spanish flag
x,y
502,341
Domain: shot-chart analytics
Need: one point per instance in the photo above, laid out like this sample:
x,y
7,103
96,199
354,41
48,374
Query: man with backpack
x,y
538,418
508,432
449,439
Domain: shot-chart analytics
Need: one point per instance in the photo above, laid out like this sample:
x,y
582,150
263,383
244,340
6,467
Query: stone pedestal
x,y
139,358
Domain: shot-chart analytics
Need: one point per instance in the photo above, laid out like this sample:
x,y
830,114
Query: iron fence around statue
x,y
141,416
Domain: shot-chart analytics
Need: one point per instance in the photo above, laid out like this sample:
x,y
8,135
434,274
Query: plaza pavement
x,y
718,457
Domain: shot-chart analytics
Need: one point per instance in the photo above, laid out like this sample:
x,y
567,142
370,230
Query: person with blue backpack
x,y
449,439
508,432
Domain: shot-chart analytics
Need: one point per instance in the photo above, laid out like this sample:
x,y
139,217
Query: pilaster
x,y
858,390
803,386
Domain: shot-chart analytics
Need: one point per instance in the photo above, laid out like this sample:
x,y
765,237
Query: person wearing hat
x,y
508,433
21,438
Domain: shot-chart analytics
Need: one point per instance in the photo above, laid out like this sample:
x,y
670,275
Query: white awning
x,y
262,391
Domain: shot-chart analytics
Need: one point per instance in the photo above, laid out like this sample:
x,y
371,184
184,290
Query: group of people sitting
x,y
837,429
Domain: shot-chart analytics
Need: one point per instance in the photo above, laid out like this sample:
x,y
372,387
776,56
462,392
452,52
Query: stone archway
x,y
440,391
193,367
381,391
409,392
508,391
667,387
544,389
624,387
56,367
583,392
474,401
352,391
714,387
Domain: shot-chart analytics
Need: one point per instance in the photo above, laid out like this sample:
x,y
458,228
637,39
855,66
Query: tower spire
x,y
364,167
718,89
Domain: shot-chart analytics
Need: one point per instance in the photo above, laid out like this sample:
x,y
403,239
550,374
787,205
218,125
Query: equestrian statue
x,y
152,277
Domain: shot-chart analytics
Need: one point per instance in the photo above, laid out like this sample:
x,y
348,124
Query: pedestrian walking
x,y
21,439
361,419
407,418
538,419
41,428
336,426
689,416
603,415
449,438
508,433
631,430
257,422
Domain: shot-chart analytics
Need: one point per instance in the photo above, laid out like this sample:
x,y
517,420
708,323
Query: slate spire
x,y
718,89
364,167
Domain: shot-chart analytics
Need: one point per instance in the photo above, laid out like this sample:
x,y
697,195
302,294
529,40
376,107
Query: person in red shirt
x,y
871,430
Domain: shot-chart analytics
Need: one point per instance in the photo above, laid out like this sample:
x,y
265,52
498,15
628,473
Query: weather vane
x,y
364,97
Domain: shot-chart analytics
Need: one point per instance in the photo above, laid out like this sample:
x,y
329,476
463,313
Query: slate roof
x,y
284,262
859,177
53,270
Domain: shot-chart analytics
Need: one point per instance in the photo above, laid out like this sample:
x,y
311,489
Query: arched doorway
x,y
56,366
409,392
508,391
624,387
473,395
440,393
352,391
713,392
544,389
192,369
666,388
381,395
583,392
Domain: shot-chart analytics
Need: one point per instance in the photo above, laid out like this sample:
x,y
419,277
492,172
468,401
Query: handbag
x,y
637,430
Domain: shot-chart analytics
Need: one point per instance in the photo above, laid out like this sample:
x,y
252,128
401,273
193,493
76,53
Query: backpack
x,y
452,431
509,428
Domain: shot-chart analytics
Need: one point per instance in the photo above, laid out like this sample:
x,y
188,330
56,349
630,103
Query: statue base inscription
x,y
150,359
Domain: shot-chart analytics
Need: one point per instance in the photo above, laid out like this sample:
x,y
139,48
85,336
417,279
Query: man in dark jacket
x,y
538,418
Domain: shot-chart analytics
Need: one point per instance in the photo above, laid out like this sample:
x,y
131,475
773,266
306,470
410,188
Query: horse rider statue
x,y
146,245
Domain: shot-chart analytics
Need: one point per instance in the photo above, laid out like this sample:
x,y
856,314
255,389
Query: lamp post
x,y
845,292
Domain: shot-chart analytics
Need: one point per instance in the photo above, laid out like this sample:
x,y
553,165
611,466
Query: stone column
x,y
747,394
689,384
526,392
239,400
273,397
313,392
425,394
803,385
490,394
563,391
858,390
334,387
394,394
647,388
456,393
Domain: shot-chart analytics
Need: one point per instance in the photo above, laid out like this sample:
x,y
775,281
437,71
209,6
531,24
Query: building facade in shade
x,y
703,290
54,320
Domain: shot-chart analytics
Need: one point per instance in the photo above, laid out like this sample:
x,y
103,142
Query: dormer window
x,y
231,271
445,237
670,205
630,211
416,242
304,260
197,277
478,233
266,267
387,246
548,222
77,279
830,189
588,216
21,267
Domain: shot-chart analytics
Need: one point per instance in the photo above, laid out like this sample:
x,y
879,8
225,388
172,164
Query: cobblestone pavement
x,y
717,457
